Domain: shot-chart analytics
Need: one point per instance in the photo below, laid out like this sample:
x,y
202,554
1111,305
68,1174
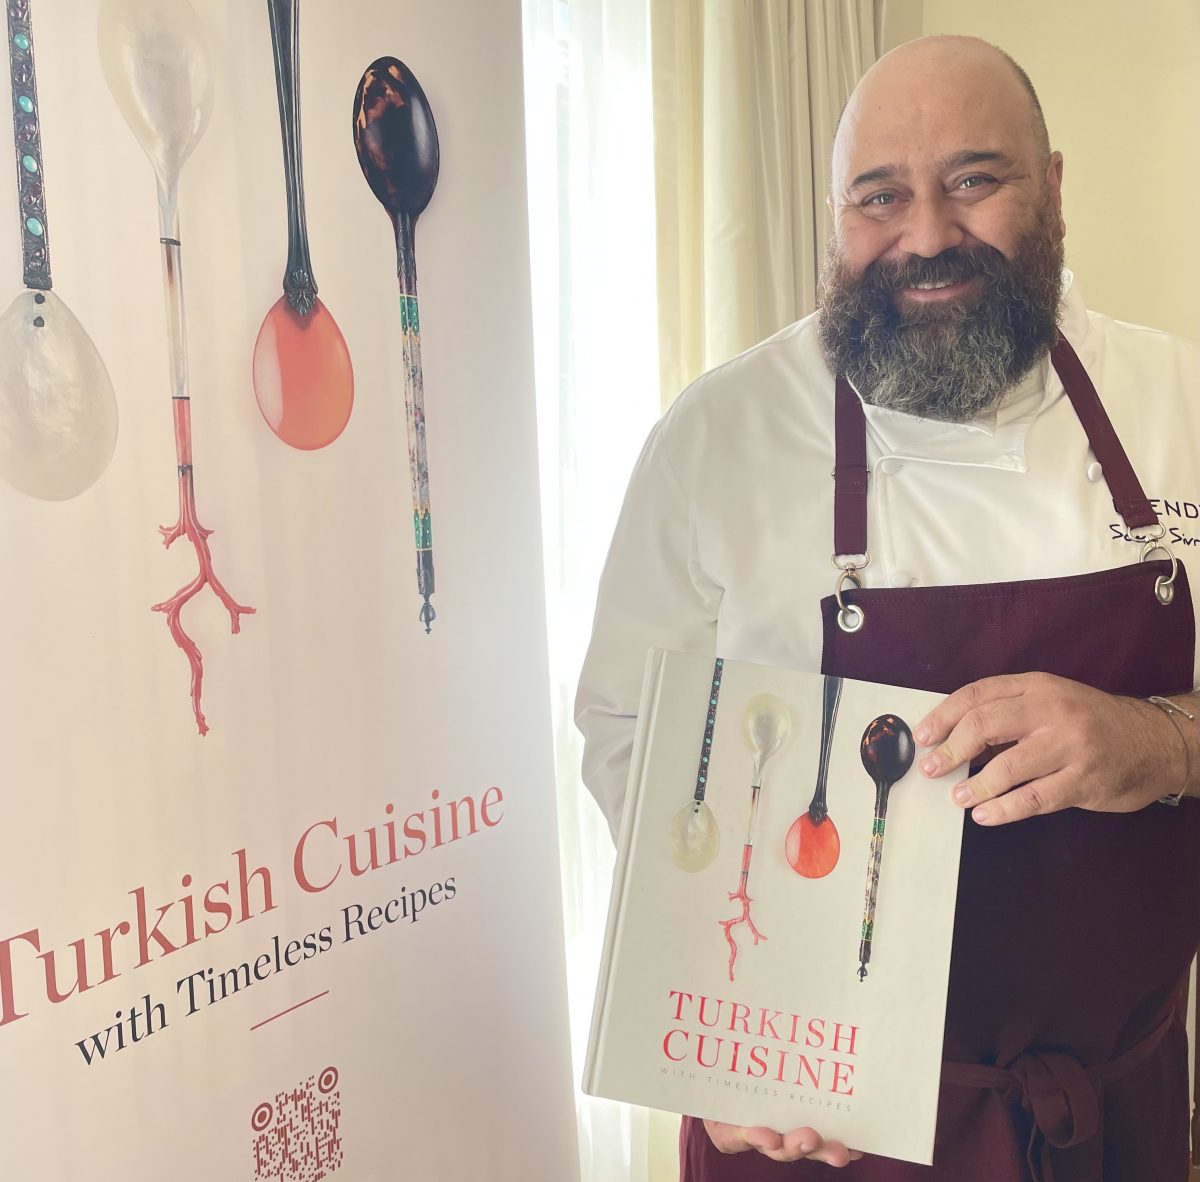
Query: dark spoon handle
x,y
818,810
298,283
27,139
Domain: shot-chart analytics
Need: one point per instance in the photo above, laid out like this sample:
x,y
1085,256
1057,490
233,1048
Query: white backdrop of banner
x,y
324,939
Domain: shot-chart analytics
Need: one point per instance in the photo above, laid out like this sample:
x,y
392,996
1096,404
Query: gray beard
x,y
951,361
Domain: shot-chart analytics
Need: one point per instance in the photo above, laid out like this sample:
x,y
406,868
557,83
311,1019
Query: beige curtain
x,y
746,96
591,200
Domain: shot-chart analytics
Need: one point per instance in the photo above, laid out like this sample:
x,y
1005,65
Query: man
x,y
1000,551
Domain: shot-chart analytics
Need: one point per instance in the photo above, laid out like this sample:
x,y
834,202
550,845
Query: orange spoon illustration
x,y
813,845
303,379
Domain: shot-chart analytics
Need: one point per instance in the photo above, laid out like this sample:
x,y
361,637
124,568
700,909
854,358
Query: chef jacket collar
x,y
997,438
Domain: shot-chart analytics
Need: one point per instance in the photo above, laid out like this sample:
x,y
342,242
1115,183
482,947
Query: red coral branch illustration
x,y
188,525
740,895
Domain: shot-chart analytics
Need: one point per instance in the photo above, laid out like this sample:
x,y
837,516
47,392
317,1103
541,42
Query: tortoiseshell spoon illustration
x,y
767,724
694,838
58,413
887,751
303,379
813,846
156,65
397,145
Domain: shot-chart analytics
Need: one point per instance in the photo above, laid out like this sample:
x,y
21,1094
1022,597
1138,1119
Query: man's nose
x,y
930,227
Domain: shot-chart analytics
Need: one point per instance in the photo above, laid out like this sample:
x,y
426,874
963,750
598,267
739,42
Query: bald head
x,y
937,77
941,144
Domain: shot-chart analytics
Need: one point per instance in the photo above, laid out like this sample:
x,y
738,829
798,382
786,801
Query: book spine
x,y
651,690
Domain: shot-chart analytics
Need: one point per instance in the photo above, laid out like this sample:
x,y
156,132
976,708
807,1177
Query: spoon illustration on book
x,y
156,66
397,145
58,413
694,837
303,378
813,845
767,725
887,751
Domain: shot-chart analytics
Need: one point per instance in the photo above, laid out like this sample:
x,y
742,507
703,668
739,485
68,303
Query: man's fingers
x,y
727,1138
989,724
796,1145
807,1145
942,719
1046,795
766,1141
1014,765
833,1153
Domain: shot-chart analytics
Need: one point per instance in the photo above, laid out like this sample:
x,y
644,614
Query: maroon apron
x,y
1065,1053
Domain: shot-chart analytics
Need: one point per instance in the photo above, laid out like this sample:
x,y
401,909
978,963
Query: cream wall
x,y
1120,87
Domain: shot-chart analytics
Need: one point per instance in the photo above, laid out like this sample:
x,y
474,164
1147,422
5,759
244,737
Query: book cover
x,y
779,933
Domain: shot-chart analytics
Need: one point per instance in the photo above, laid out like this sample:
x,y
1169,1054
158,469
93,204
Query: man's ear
x,y
1053,179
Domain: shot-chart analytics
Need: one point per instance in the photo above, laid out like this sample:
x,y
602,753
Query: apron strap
x,y
850,472
1128,498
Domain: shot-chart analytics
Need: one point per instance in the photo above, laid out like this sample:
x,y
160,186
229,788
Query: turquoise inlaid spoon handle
x,y
878,826
710,721
414,411
27,137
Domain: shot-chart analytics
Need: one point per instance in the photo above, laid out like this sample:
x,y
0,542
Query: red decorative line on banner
x,y
288,1010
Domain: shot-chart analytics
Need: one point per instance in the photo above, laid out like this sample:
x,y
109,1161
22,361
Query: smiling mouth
x,y
945,290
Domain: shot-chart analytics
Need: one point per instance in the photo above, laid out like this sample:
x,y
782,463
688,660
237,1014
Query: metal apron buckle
x,y
850,616
1164,585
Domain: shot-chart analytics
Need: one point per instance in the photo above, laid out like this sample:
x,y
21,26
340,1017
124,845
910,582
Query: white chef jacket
x,y
723,545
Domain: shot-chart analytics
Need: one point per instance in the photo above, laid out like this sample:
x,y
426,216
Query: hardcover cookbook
x,y
779,933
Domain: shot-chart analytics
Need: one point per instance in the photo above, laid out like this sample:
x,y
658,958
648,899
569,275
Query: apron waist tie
x,y
1065,1100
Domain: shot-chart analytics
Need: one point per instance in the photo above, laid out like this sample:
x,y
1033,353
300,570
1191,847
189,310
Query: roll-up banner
x,y
279,893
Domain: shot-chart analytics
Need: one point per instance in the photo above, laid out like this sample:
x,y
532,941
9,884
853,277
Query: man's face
x,y
941,284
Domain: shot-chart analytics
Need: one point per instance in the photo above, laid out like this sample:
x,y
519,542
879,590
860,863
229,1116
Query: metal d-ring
x,y
850,616
1164,585
1154,533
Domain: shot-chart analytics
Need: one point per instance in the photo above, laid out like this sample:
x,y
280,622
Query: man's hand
x,y
798,1145
1062,745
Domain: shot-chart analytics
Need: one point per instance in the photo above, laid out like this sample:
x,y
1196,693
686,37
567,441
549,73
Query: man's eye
x,y
880,199
975,182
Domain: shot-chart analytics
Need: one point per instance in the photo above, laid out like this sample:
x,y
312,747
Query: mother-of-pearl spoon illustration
x,y
694,838
58,413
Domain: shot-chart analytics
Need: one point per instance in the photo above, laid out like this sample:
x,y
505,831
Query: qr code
x,y
297,1138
